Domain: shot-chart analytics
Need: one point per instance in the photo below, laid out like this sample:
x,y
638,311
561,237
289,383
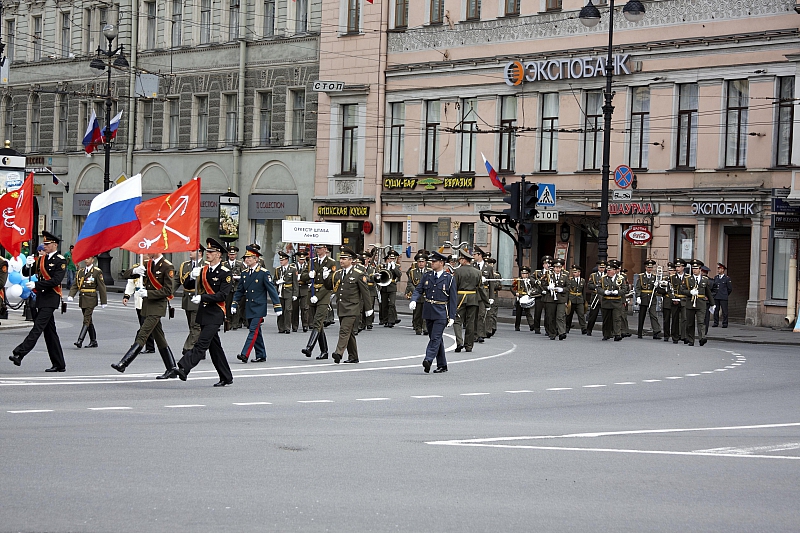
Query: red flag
x,y
170,223
17,211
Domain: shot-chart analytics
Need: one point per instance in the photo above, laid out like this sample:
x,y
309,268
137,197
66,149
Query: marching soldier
x,y
371,270
254,288
721,288
352,296
414,276
647,299
678,303
285,280
470,294
479,262
131,290
437,291
524,286
594,295
157,290
389,292
539,277
50,268
626,330
555,300
89,283
319,298
612,289
494,308
577,300
211,283
189,308
235,266
665,290
697,290
300,306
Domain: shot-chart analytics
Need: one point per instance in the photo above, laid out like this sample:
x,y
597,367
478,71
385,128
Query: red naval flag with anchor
x,y
17,211
170,223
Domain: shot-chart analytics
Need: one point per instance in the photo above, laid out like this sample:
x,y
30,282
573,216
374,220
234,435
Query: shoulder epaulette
x,y
225,269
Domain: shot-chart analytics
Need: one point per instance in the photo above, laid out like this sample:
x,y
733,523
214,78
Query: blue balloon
x,y
34,278
15,278
25,293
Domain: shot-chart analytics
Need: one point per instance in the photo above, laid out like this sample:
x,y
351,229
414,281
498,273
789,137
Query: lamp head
x,y
98,64
589,15
633,11
120,61
110,31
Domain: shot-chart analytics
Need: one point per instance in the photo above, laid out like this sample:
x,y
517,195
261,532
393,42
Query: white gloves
x,y
30,284
664,283
279,282
196,272
103,306
326,272
278,313
294,298
196,299
30,260
559,289
70,298
412,305
694,292
313,299
491,301
450,322
369,312
551,287
142,293
233,309
615,292
608,293
713,307
639,301
140,270
483,279
312,273
237,277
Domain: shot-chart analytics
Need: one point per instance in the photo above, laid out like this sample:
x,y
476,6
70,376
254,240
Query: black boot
x,y
81,336
323,346
128,358
312,341
169,362
92,337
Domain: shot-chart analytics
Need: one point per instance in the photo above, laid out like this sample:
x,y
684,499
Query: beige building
x,y
704,96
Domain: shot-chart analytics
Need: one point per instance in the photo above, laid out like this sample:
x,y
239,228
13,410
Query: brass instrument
x,y
382,278
656,283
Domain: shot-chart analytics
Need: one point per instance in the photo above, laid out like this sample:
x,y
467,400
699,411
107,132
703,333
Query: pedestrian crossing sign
x,y
547,195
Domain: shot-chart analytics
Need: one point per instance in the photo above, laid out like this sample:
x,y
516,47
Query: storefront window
x,y
683,242
268,236
781,253
633,257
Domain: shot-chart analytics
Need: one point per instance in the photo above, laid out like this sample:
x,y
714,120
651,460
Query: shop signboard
x,y
637,235
779,205
228,217
430,183
633,208
272,207
352,211
313,232
740,209
786,222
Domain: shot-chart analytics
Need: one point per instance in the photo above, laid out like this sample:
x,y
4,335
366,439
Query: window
x,y
56,214
553,5
35,122
508,133
301,16
298,116
201,103
512,7
349,138
147,124
233,20
353,16
400,13
687,126
683,243
640,126
432,108
103,17
174,121
37,38
177,19
87,31
592,137
231,122
395,232
265,120
473,9
466,233
785,120
10,36
736,123
66,26
779,280
428,235
437,11
549,154
398,115
469,136
205,21
8,118
150,42
62,124
269,18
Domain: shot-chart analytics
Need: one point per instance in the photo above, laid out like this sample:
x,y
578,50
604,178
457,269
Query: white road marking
x,y
32,411
184,406
691,375
626,383
429,396
719,370
650,380
674,377
749,450
372,399
730,367
252,403
736,364
592,386
561,388
314,401
109,408
474,394
517,391
733,353
707,372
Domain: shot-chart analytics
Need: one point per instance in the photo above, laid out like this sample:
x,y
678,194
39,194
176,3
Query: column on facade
x,y
700,252
752,316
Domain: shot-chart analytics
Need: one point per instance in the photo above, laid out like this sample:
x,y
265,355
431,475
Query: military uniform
x,y
189,308
414,276
678,313
612,290
285,277
594,296
255,286
665,290
470,294
647,298
235,266
352,296
577,300
626,329
524,287
721,288
487,273
371,270
389,292
90,285
300,306
697,290
539,276
50,270
555,294
494,307
319,299
437,292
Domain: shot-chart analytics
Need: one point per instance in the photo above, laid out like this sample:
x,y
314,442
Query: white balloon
x,y
8,283
14,291
15,264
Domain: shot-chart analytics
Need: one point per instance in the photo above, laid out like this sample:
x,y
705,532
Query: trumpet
x,y
656,283
382,278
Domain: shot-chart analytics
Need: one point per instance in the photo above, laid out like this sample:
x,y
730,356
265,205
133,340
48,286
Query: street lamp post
x,y
590,16
102,64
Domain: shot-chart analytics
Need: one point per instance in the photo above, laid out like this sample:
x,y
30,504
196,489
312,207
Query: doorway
x,y
738,263
352,236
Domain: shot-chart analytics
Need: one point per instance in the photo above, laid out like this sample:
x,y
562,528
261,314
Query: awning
x,y
568,206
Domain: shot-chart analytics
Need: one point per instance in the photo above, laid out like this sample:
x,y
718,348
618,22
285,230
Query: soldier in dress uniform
x,y
452,263
190,309
555,300
577,300
524,286
389,292
612,290
158,278
254,288
437,291
626,330
487,273
319,298
131,290
665,290
352,296
539,276
721,287
286,281
413,277
371,270
211,284
647,299
90,285
300,306
678,303
49,268
470,293
697,290
494,308
235,265
594,295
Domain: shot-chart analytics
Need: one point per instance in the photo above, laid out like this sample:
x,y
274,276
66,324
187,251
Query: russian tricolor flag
x,y
493,175
93,136
111,220
114,126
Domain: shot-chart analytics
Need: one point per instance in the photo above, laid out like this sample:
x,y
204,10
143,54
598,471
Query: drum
x,y
526,301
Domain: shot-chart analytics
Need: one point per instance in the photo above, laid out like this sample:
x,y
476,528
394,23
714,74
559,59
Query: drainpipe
x,y
237,149
132,85
379,126
791,304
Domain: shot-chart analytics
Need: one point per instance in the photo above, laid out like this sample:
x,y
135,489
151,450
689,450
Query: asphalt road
x,y
522,434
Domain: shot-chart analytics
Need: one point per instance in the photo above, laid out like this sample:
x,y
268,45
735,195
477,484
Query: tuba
x,y
382,278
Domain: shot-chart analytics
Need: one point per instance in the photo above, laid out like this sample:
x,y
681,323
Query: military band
x,y
576,301
646,298
90,288
525,291
189,308
285,277
414,276
319,297
388,306
300,306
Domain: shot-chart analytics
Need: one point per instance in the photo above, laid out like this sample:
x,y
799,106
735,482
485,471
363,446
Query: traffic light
x,y
513,200
525,235
530,196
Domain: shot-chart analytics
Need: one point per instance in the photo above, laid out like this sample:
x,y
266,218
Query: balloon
x,y
25,293
15,291
8,283
15,264
34,278
15,278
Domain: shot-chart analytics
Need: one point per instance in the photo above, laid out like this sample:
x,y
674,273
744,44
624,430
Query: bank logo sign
x,y
515,72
